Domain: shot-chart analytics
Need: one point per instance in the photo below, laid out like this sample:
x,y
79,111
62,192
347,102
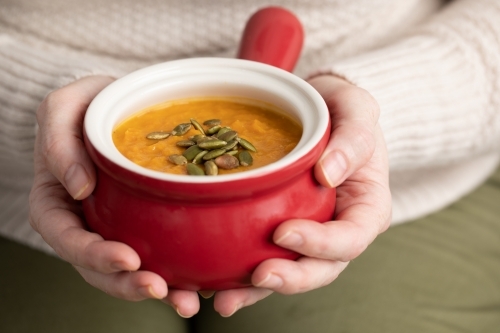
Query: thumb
x,y
354,115
60,136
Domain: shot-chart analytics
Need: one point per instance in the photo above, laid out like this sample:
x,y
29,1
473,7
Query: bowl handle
x,y
274,36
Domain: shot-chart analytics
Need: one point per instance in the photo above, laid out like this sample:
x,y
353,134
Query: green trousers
x,y
434,275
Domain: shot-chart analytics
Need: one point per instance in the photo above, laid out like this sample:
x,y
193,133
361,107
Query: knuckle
x,y
51,101
32,217
52,147
303,282
357,247
87,278
361,100
364,142
327,277
370,105
33,222
386,223
89,257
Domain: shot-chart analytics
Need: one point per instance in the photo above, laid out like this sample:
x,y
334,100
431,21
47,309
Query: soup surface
x,y
273,133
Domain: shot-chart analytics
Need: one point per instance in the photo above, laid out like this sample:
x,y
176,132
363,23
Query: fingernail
x,y
236,308
206,294
291,238
271,281
334,168
180,314
148,292
76,180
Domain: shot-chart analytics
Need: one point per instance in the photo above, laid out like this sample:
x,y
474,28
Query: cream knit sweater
x,y
433,67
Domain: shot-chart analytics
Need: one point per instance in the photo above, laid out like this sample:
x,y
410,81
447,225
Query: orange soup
x,y
262,131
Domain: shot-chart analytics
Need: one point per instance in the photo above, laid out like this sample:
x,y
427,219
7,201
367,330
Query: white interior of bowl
x,y
205,77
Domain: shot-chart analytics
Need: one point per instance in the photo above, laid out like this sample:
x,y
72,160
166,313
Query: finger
x,y
341,240
60,117
354,116
185,302
292,277
65,233
131,286
227,302
363,210
57,221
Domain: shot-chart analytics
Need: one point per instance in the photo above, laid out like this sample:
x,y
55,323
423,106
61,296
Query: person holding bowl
x,y
411,95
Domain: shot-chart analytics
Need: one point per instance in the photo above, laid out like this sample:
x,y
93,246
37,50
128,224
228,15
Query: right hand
x,y
65,174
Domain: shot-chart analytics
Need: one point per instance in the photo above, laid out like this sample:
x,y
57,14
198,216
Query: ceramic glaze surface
x,y
204,233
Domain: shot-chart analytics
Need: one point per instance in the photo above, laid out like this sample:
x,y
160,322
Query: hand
x,y
354,161
65,174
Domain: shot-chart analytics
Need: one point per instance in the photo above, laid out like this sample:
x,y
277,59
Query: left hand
x,y
354,161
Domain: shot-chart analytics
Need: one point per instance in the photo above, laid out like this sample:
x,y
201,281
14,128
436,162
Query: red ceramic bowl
x,y
205,233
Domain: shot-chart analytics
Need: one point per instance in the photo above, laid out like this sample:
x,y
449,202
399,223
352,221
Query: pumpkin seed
x,y
211,168
211,122
157,135
199,158
223,130
214,129
191,152
232,152
230,145
181,129
227,162
212,144
177,159
194,170
228,136
185,143
213,154
245,158
197,125
197,137
206,139
247,145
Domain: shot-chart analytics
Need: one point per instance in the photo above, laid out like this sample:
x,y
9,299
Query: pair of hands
x,y
355,161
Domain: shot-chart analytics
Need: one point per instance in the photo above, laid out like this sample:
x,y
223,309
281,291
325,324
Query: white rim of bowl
x,y
99,125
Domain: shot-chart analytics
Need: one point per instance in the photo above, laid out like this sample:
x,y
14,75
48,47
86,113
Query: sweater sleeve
x,y
29,70
438,88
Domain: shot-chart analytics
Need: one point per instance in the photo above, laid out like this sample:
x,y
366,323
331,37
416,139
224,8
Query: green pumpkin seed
x,y
245,158
197,125
232,152
212,144
181,129
197,137
206,139
191,152
213,154
223,130
158,135
247,145
194,170
230,145
177,159
227,162
211,122
199,158
211,168
214,129
185,143
228,136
